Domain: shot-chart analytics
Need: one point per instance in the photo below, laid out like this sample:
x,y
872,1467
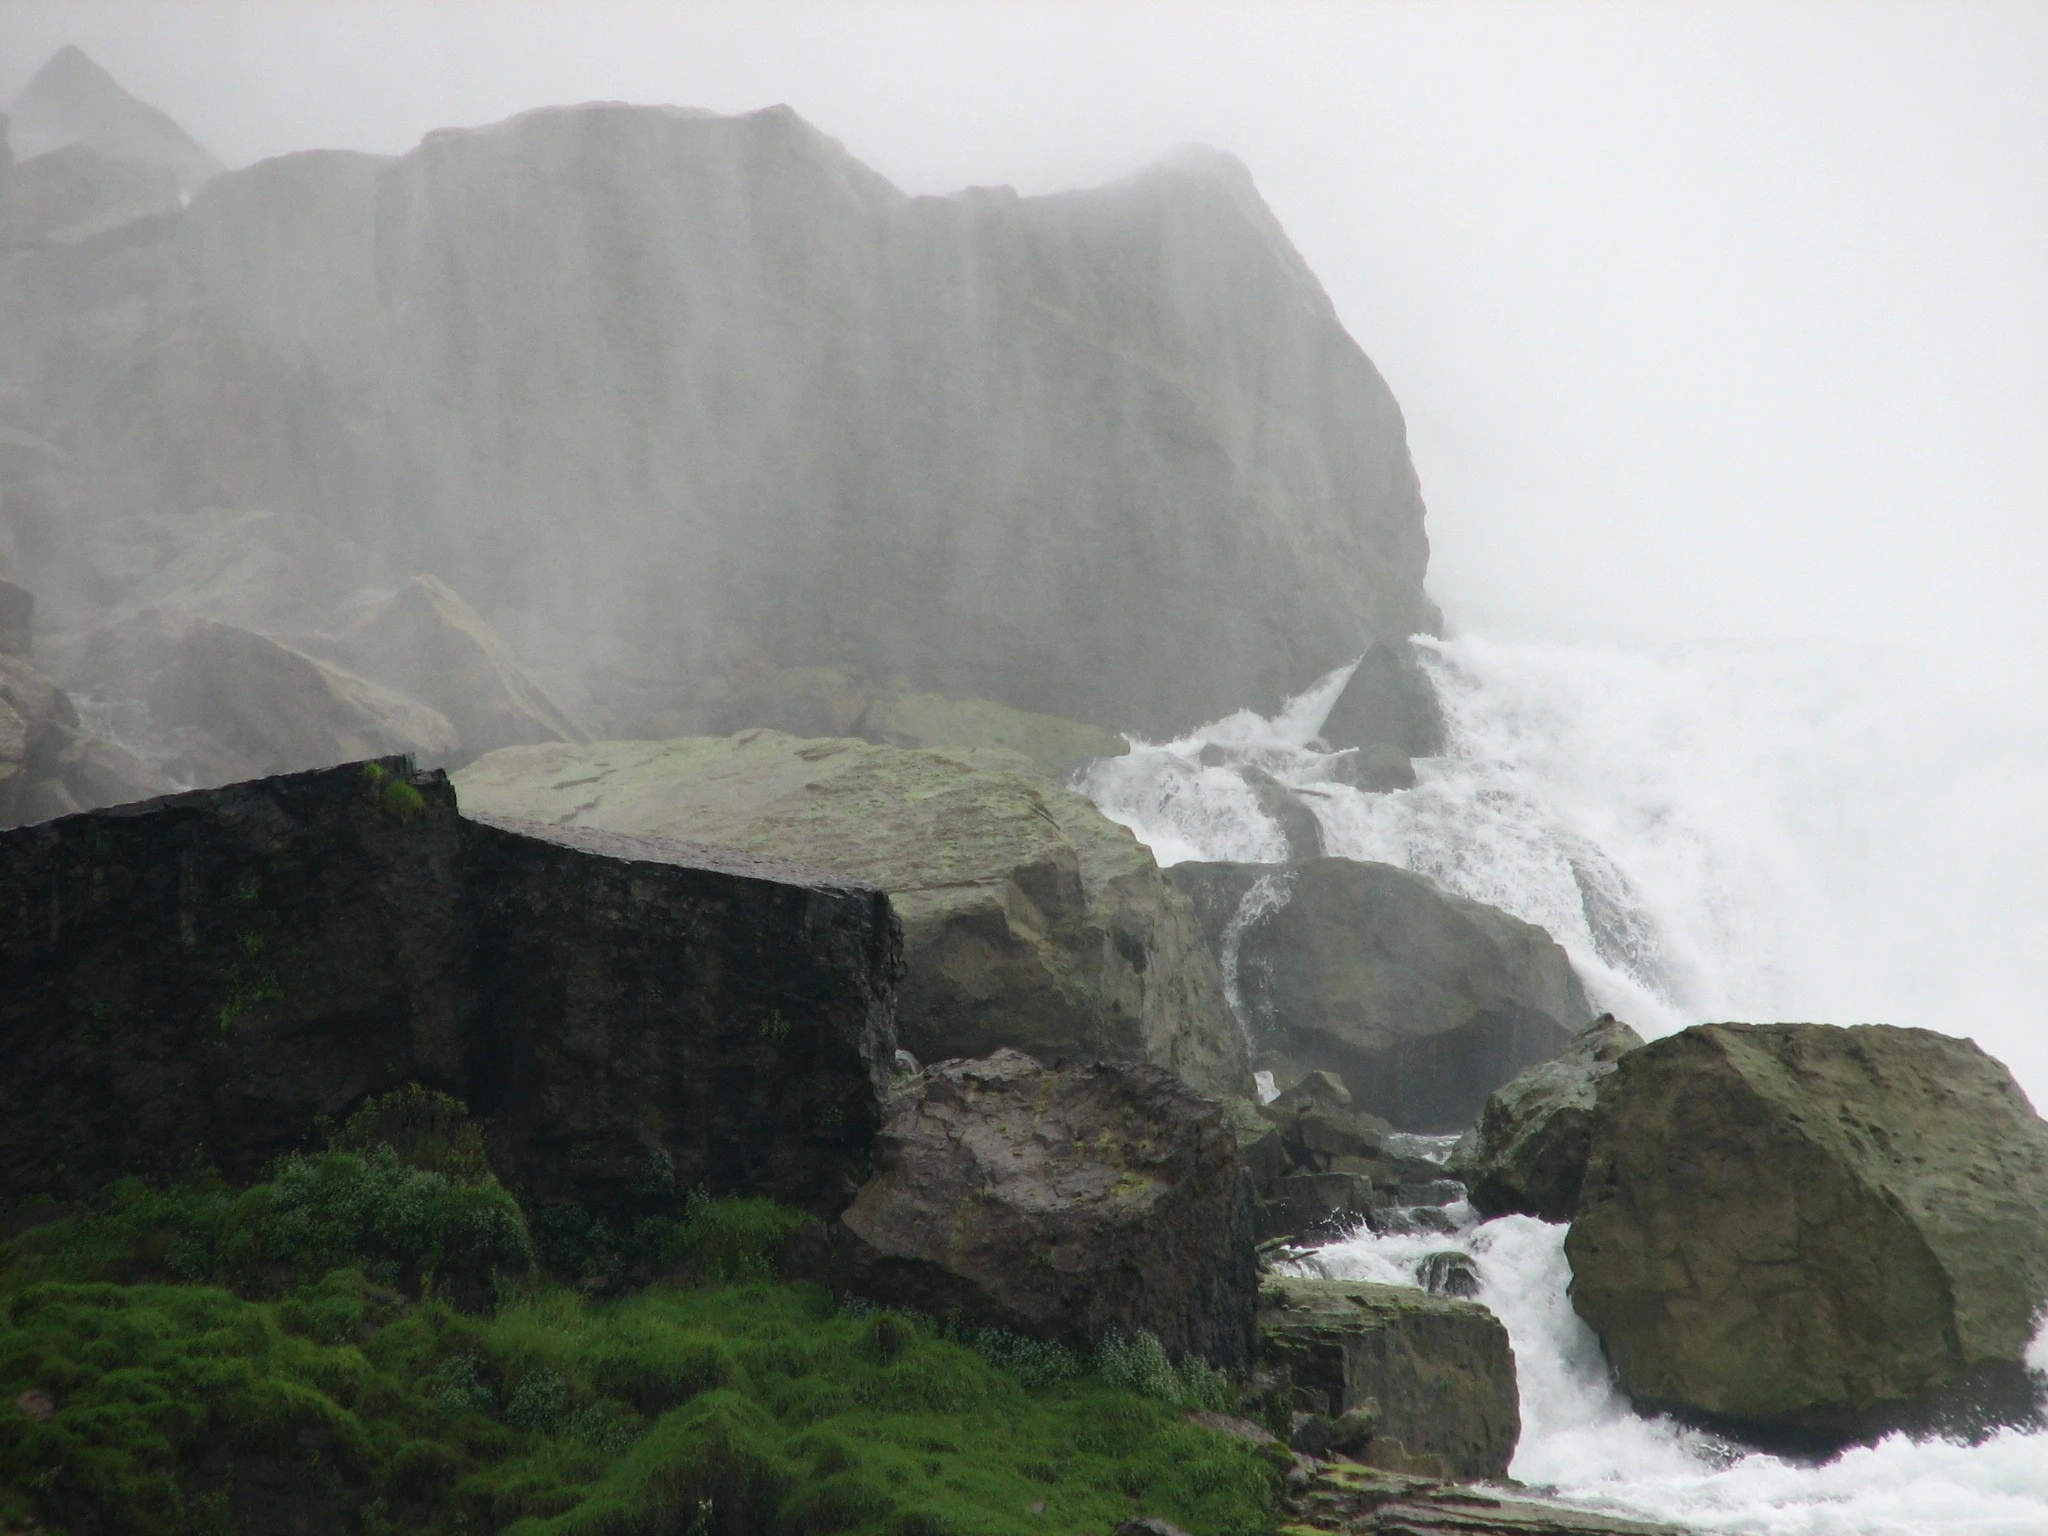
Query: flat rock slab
x,y
1072,1205
1364,1501
1804,1235
1438,1374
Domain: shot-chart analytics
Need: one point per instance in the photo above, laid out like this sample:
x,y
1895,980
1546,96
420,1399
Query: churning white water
x,y
1754,832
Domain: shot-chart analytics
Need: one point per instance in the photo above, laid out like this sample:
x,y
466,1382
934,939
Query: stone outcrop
x,y
1387,715
1107,456
72,101
1320,1169
212,972
427,642
1807,1234
1072,1205
1527,1152
1434,1376
1030,920
1422,1002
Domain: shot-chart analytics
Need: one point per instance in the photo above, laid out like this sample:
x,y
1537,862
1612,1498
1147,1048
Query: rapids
x,y
1760,832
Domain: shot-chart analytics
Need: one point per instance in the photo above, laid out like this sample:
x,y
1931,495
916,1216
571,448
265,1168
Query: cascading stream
x,y
1757,832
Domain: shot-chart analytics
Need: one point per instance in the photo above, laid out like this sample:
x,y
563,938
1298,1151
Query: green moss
x,y
744,1404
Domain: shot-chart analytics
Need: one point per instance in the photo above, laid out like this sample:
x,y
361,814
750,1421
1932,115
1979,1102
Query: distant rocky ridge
x,y
681,405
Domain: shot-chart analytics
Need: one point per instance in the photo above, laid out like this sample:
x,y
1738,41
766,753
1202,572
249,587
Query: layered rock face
x,y
1029,919
1422,1002
682,402
1435,1376
1809,1234
1072,1205
1527,1152
209,973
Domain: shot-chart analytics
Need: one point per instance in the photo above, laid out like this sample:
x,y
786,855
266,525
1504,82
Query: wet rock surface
x,y
1527,1152
1072,1205
210,973
1423,1002
1386,716
1368,1501
1030,920
1806,1234
1434,1376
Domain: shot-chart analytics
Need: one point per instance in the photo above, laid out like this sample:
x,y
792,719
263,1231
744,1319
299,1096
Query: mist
x,y
1708,321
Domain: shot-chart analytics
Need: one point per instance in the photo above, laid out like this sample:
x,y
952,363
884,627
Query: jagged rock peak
x,y
72,100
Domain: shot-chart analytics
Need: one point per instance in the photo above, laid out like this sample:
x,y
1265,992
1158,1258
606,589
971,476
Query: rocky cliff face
x,y
679,400
211,972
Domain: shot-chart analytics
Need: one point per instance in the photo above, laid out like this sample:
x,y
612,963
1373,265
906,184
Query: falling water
x,y
1752,832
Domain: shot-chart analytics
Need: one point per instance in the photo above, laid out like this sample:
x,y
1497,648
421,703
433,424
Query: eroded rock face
x,y
1108,455
1423,1002
1030,920
1527,1153
1066,1204
211,972
1808,1234
1436,1374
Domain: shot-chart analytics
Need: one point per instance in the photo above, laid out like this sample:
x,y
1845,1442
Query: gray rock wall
x,y
674,397
211,972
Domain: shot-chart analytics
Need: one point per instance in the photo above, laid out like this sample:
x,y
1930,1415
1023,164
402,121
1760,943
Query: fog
x,y
1708,320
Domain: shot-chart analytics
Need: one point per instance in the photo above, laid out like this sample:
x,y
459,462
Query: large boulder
x,y
1527,1152
1073,1205
1029,919
1386,715
1808,1234
427,642
215,702
213,972
1435,1376
1105,455
1422,1002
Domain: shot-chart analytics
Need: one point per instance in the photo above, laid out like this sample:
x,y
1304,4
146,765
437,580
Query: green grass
x,y
184,1351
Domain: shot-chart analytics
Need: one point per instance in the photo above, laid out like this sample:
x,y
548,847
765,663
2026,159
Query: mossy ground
x,y
198,1360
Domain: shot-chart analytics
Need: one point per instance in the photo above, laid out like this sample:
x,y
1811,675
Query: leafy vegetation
x,y
363,1342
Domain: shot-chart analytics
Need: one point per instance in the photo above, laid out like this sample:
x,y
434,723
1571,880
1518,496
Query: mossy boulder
x,y
1808,1234
1527,1153
1436,1375
1030,920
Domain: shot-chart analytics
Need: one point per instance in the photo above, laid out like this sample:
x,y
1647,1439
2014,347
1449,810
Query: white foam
x,y
1581,1441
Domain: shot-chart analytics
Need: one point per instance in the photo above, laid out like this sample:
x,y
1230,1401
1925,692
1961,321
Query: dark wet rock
x,y
1387,715
1070,1205
212,972
1030,920
1423,1002
1149,1526
1449,1273
1804,1234
1527,1152
1298,826
1435,1375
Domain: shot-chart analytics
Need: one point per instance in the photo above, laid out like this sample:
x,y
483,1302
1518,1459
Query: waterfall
x,y
1759,832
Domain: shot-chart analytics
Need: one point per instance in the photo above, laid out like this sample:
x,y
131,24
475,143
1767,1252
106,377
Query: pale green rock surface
x,y
1030,920
1810,1233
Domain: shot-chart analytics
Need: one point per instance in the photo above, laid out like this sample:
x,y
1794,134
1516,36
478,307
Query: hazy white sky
x,y
1708,319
